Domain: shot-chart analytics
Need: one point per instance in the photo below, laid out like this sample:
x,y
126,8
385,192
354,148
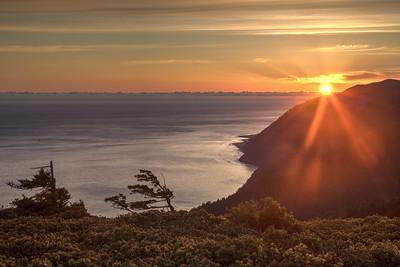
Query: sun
x,y
325,89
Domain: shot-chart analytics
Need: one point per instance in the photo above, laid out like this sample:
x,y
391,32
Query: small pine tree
x,y
48,199
154,192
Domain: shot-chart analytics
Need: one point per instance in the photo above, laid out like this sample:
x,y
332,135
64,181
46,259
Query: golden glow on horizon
x,y
326,89
173,45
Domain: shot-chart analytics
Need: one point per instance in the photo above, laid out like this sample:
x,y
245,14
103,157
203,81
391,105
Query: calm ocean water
x,y
99,141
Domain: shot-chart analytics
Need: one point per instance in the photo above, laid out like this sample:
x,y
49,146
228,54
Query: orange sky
x,y
218,45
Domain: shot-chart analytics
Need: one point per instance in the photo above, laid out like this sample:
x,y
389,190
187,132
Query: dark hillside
x,y
333,155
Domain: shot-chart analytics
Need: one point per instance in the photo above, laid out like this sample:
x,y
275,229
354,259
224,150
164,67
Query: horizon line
x,y
155,92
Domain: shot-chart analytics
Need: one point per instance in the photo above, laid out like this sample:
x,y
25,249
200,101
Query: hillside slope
x,y
329,156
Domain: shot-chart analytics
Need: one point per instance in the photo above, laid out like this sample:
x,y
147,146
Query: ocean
x,y
98,142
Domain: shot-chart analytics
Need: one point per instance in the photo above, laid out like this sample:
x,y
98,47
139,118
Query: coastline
x,y
243,141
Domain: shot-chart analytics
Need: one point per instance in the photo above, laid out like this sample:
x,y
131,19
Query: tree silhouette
x,y
48,199
154,193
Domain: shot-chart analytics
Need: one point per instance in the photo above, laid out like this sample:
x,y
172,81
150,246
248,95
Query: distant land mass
x,y
213,93
332,156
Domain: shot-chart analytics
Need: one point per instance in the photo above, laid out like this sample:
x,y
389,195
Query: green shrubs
x,y
73,210
262,214
47,230
197,238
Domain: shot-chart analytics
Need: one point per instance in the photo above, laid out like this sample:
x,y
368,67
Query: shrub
x,y
262,214
196,238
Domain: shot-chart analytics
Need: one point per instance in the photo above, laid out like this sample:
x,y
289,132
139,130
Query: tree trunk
x,y
171,208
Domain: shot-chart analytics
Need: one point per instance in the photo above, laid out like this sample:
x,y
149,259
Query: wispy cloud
x,y
242,27
230,43
188,6
258,17
356,49
83,48
363,75
342,78
260,60
324,78
342,48
42,49
168,61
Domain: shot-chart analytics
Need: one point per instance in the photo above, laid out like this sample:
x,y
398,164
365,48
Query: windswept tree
x,y
47,199
156,195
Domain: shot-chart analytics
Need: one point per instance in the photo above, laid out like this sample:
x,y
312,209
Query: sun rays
x,y
331,124
363,146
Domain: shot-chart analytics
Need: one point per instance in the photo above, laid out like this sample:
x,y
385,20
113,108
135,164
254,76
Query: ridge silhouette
x,y
330,156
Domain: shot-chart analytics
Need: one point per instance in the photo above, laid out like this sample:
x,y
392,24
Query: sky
x,y
193,45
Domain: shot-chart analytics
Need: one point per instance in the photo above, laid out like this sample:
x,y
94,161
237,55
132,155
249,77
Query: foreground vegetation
x,y
48,229
253,234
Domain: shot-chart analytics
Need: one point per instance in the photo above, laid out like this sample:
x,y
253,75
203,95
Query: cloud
x,y
42,49
364,49
324,78
341,78
188,6
292,30
261,60
341,48
244,26
255,17
83,48
168,61
363,75
392,72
